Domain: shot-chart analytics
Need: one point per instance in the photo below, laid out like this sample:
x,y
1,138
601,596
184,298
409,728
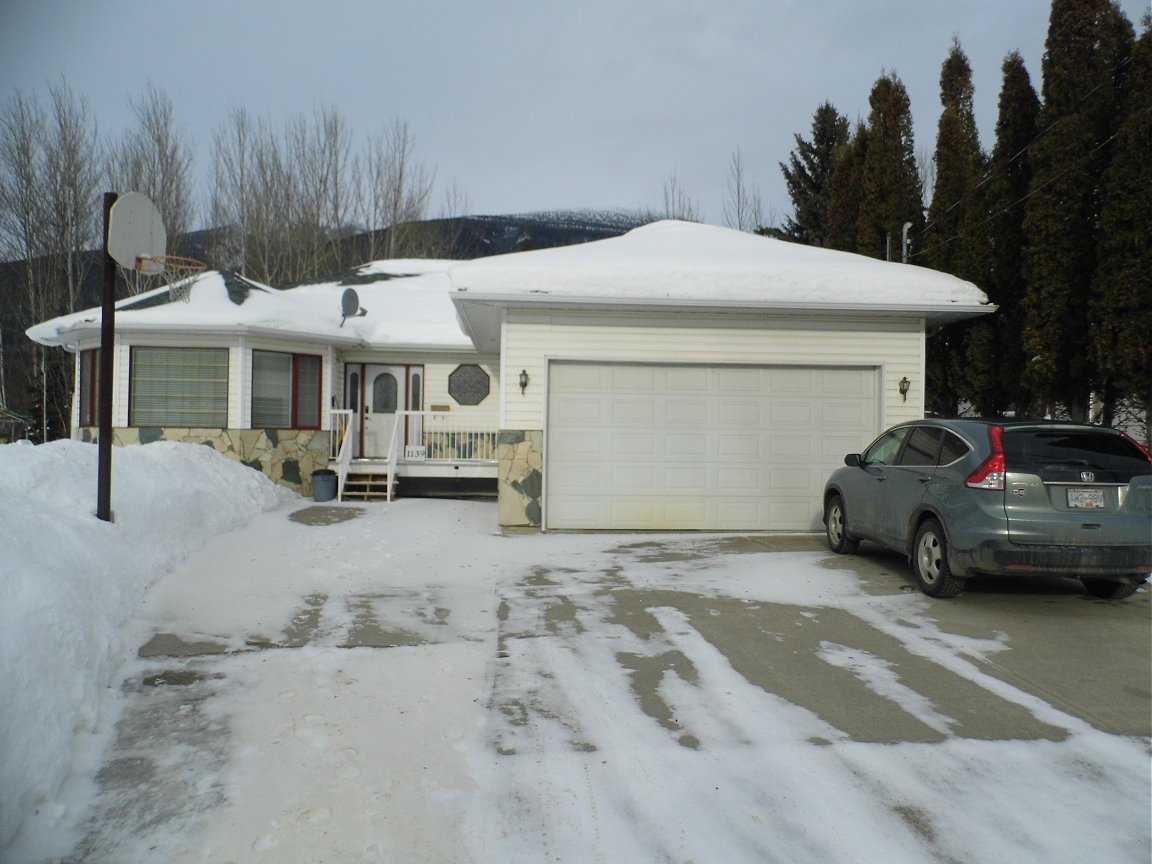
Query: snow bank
x,y
68,581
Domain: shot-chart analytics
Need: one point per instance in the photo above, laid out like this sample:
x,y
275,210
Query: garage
x,y
643,446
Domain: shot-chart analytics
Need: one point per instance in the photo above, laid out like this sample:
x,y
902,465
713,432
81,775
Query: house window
x,y
468,384
185,387
285,390
90,387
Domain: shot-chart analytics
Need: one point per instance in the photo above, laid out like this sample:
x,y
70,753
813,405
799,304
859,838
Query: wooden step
x,y
365,487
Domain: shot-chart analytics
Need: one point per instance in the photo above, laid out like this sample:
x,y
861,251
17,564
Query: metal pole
x,y
107,340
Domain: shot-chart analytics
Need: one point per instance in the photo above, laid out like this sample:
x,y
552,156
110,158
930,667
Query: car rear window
x,y
1063,455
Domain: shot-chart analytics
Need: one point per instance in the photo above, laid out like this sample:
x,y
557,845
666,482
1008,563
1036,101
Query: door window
x,y
883,451
384,393
354,391
416,400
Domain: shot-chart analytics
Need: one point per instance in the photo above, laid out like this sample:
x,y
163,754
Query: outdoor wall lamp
x,y
903,385
523,381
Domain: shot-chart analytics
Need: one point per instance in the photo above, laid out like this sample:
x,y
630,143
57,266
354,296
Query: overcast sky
x,y
531,106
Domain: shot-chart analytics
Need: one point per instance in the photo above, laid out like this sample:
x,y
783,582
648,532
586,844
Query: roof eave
x,y
479,311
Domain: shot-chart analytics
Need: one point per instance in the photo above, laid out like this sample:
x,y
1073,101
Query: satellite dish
x,y
350,306
350,302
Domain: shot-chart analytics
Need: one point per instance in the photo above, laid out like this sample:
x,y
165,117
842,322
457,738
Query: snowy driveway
x,y
409,686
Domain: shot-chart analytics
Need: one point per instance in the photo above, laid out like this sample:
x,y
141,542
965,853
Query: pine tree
x,y
995,352
891,183
954,237
808,175
1086,53
845,191
1122,289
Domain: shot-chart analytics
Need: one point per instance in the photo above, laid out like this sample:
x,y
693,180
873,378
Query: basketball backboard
x,y
136,234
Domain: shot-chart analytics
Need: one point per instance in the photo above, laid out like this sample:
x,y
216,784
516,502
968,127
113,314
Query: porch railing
x,y
439,436
342,445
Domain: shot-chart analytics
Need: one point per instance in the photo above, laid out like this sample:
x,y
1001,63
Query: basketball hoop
x,y
179,270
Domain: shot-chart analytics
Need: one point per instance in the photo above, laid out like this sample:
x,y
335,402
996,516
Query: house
x,y
680,376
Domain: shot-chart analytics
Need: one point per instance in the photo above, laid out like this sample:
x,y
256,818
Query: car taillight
x,y
990,474
1139,446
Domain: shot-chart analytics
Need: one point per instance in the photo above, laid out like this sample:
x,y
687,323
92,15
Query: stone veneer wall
x,y
521,479
286,456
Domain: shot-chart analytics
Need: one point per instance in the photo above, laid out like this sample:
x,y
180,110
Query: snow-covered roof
x,y
404,312
672,264
666,265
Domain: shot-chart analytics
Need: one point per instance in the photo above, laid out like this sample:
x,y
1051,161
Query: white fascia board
x,y
479,313
88,330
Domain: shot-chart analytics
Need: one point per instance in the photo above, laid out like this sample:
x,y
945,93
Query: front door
x,y
384,393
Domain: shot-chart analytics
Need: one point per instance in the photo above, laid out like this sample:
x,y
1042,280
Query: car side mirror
x,y
853,460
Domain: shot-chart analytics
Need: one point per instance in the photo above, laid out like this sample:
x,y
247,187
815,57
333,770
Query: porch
x,y
430,451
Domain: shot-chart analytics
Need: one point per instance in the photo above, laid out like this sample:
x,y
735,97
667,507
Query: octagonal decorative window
x,y
468,384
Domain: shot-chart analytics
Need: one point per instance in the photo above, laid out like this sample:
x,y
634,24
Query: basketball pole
x,y
107,338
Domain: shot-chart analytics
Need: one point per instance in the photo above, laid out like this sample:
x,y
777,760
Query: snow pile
x,y
68,581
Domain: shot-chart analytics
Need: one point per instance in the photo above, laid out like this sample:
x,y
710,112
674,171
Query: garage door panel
x,y
790,448
843,415
684,478
683,445
738,446
577,377
698,447
795,414
637,412
686,413
738,479
640,379
736,380
687,379
576,443
583,411
738,414
634,478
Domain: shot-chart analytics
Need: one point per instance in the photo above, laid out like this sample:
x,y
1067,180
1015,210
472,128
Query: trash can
x,y
323,485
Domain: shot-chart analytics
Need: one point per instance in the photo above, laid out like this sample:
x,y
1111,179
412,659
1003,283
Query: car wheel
x,y
930,562
836,529
1108,590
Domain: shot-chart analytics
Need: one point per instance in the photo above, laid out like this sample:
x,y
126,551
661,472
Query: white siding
x,y
532,339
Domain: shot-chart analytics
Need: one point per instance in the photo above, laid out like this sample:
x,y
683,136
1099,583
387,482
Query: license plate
x,y
1086,499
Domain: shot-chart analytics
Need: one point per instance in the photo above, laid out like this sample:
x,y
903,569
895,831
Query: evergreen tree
x,y
954,237
1122,289
1089,44
845,191
808,175
891,193
995,352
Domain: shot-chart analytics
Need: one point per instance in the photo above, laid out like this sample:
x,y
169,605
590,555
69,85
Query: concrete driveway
x,y
403,684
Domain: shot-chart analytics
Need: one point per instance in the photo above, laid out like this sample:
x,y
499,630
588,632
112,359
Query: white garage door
x,y
700,447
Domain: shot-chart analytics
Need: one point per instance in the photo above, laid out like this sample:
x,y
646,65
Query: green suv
x,y
964,498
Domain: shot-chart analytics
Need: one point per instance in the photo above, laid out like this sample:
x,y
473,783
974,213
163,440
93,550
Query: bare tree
x,y
72,179
155,159
22,132
743,208
394,193
678,204
49,215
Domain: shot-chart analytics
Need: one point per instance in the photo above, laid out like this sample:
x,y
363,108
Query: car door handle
x,y
923,479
